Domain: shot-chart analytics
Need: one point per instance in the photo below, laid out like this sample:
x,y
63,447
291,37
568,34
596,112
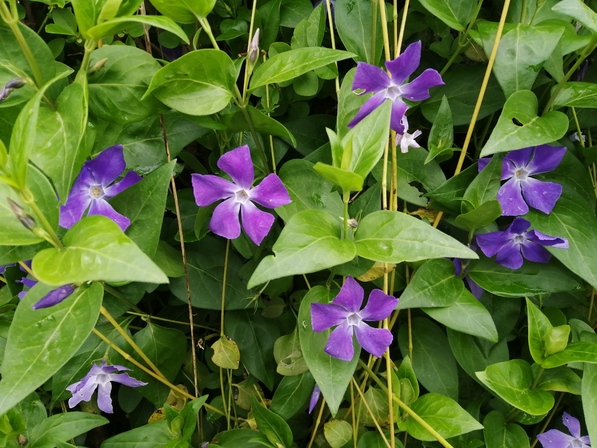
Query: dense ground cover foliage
x,y
354,223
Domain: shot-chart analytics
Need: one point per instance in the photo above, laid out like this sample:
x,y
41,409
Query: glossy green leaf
x,y
63,427
484,187
156,435
359,29
184,11
292,394
511,381
500,434
119,24
454,13
539,325
310,241
481,216
288,354
96,249
531,279
519,126
246,438
346,180
199,83
237,122
41,341
271,425
577,94
226,354
448,196
474,354
394,237
332,375
589,388
582,351
293,63
579,12
441,135
412,169
337,433
433,285
443,414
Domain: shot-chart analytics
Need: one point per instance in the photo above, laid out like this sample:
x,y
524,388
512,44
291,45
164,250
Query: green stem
x,y
243,107
462,39
29,199
224,279
345,199
123,299
205,25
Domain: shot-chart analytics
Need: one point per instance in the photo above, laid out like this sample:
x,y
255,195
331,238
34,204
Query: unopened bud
x,y
21,215
254,48
97,66
13,84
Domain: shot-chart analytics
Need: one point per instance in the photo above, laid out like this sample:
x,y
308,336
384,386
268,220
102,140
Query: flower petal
x,y
490,243
54,297
374,340
130,179
418,89
482,163
519,226
379,306
370,105
399,108
546,158
225,221
548,240
126,379
72,211
326,315
256,223
104,401
519,158
509,256
108,165
572,424
350,296
535,252
541,195
476,290
82,391
554,439
208,188
270,193
239,166
370,78
340,343
405,64
101,207
510,198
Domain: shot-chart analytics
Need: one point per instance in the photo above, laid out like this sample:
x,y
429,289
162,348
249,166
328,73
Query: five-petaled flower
x,y
239,196
521,190
94,185
515,243
345,312
393,87
100,378
407,140
557,439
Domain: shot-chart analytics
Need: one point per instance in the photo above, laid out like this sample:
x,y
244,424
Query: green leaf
x,y
582,351
119,24
41,341
433,285
237,122
559,379
519,126
441,135
199,83
474,354
394,237
481,216
144,204
288,354
310,241
413,169
484,187
337,433
466,315
577,94
271,425
532,279
511,381
454,13
292,394
346,180
184,11
155,435
579,12
499,434
359,29
448,196
255,337
539,325
63,427
226,354
96,249
246,438
432,359
589,406
441,413
293,63
332,375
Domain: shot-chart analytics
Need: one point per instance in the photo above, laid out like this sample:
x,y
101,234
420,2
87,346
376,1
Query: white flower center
x,y
241,196
354,319
576,443
521,174
519,239
393,92
96,191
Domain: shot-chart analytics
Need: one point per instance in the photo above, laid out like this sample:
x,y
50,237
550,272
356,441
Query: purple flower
x,y
100,377
515,243
239,196
393,87
344,311
314,398
4,267
557,439
94,185
521,190
54,297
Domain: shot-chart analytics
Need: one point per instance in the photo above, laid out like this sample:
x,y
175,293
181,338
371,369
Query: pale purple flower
x,y
95,185
345,312
393,87
239,196
521,190
515,242
407,140
100,378
314,398
557,439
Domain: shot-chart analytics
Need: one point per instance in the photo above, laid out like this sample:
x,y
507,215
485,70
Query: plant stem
x,y
205,25
29,199
364,403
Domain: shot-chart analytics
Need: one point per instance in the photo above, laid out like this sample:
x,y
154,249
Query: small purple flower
x,y
54,297
314,398
4,267
100,378
521,190
557,439
94,185
393,87
515,243
345,312
239,196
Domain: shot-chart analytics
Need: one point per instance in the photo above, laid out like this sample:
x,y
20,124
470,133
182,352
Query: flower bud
x,y
13,84
26,220
253,52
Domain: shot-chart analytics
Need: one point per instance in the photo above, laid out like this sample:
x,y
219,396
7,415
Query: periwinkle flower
x,y
54,297
239,196
521,190
345,312
393,87
557,439
516,242
95,185
406,140
100,378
